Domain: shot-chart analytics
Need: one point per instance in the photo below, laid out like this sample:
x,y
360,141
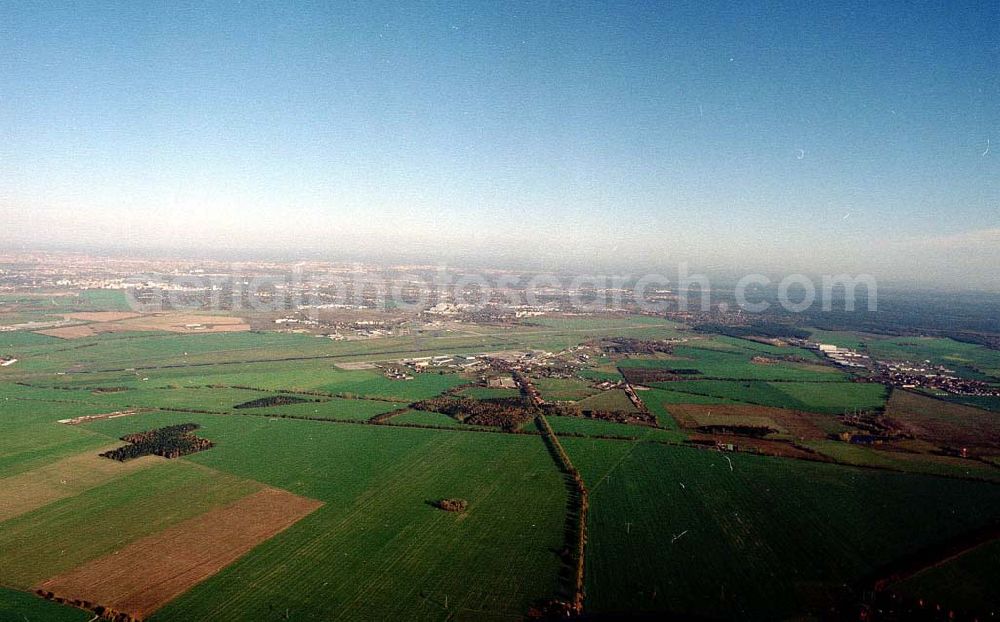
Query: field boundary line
x,y
582,498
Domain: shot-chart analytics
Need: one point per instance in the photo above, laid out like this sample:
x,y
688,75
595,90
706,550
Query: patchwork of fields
x,y
671,528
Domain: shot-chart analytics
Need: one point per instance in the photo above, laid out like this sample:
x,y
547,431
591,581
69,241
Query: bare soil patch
x,y
355,366
122,322
112,415
72,332
152,571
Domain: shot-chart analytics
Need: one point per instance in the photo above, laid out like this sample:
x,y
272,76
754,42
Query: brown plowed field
x,y
944,423
802,425
150,572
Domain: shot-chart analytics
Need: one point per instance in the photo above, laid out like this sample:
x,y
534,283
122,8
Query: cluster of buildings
x,y
906,374
911,376
396,373
341,331
459,362
844,357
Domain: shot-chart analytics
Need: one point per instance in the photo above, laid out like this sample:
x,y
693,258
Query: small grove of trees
x,y
567,409
618,416
506,413
755,431
636,346
758,329
273,400
452,505
642,375
170,442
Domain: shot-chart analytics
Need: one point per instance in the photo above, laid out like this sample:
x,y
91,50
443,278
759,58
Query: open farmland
x,y
821,397
378,545
424,417
678,530
598,427
797,424
62,535
969,360
745,364
613,400
158,351
124,322
945,423
63,478
333,408
949,466
143,576
31,436
563,389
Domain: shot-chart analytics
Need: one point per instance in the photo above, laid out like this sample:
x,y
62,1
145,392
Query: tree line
x,y
505,413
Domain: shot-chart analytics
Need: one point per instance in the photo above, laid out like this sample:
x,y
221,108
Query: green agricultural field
x,y
564,389
69,532
31,436
717,364
899,461
834,398
749,345
965,583
211,387
679,530
821,397
378,549
590,324
160,351
423,417
421,387
601,374
984,402
11,343
656,401
335,408
613,400
598,427
20,606
105,300
200,398
487,393
970,360
671,528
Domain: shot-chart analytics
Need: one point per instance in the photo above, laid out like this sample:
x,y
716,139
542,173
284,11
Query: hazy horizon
x,y
854,138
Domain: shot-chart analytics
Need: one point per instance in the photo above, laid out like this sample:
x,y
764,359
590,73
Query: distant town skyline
x,y
855,137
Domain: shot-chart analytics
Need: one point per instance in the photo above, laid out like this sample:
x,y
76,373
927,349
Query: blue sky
x,y
779,135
